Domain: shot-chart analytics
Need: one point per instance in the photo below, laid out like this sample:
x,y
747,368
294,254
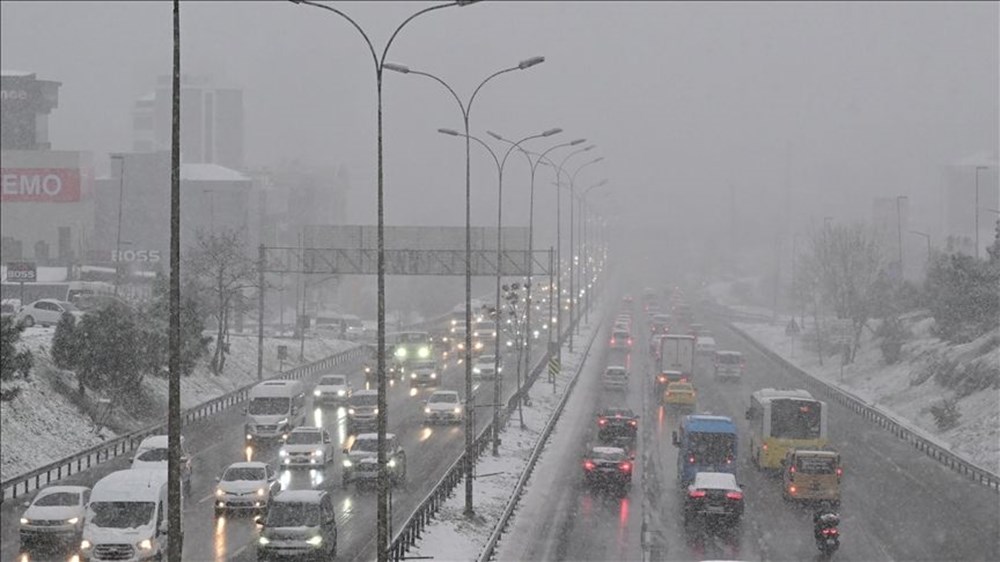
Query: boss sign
x,y
43,185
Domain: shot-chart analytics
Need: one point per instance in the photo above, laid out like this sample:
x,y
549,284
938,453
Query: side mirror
x,y
674,439
747,414
326,439
164,528
631,456
345,451
742,486
218,479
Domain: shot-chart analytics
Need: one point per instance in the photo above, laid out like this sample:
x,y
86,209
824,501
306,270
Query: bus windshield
x,y
711,448
795,419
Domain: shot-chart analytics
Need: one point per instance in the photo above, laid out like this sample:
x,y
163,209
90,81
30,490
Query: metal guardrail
x,y
885,421
88,458
536,453
420,518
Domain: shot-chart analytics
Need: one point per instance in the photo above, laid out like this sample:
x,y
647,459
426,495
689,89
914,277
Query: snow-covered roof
x,y
298,496
609,450
9,72
715,481
210,172
130,485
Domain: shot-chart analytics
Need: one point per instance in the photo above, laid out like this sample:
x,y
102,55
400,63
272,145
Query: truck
x,y
677,354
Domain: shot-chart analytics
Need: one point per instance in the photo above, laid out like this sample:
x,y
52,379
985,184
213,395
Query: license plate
x,y
715,509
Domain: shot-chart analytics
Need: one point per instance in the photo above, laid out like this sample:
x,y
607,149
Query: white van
x,y
275,408
127,517
705,346
152,454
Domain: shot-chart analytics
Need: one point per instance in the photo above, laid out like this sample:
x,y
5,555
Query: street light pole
x,y
383,482
587,245
500,163
899,234
573,253
118,236
466,109
977,207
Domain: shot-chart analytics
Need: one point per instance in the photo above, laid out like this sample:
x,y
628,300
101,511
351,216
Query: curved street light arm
x,y
408,20
483,83
368,42
461,106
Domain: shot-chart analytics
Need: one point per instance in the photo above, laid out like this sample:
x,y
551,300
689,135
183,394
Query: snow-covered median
x,y
44,424
452,535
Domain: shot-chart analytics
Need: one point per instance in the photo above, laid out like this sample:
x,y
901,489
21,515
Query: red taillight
x,y
602,421
734,495
840,471
830,532
697,493
588,465
791,469
764,446
626,466
612,341
662,378
633,423
630,342
792,489
691,459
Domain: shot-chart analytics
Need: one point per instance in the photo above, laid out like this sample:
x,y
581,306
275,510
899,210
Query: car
x,y
45,312
424,372
245,486
443,406
617,425
615,377
812,475
621,338
362,410
332,389
607,468
152,454
714,495
485,367
306,447
705,346
659,323
628,301
54,517
729,365
680,396
299,524
361,460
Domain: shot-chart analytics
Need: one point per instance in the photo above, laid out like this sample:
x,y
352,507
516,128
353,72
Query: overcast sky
x,y
820,106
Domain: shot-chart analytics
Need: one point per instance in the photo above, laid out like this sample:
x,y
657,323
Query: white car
x,y
484,366
45,312
443,406
246,486
307,446
55,516
332,389
152,454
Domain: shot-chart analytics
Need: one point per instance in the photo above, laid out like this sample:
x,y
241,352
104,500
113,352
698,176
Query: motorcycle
x,y
826,533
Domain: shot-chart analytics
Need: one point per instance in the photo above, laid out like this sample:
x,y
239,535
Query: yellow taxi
x,y
812,475
680,396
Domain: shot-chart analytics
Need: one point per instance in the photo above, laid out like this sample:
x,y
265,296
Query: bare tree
x,y
224,270
807,294
849,262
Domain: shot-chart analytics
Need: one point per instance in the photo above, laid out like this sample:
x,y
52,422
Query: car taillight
x,y
588,465
792,489
630,342
696,493
840,471
734,495
662,378
602,421
830,532
626,466
633,423
764,446
791,469
691,459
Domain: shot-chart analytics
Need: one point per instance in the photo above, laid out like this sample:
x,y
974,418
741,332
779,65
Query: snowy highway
x,y
898,504
219,441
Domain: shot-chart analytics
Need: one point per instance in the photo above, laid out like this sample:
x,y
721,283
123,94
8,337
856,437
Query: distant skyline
x,y
814,107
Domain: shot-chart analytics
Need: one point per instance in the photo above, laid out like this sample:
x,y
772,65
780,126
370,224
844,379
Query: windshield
x,y
607,456
711,448
288,514
332,380
304,438
795,419
59,498
153,455
354,323
268,406
729,359
485,326
121,515
251,473
444,398
365,445
364,400
413,338
620,335
487,359
815,465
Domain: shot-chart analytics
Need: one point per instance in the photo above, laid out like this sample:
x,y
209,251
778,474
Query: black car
x,y
616,425
608,468
714,495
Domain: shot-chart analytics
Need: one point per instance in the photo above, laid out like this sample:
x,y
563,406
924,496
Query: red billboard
x,y
40,185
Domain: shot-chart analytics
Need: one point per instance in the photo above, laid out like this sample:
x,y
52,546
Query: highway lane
x,y
898,504
214,445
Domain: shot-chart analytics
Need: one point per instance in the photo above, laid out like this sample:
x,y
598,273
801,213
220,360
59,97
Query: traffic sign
x,y
21,271
554,366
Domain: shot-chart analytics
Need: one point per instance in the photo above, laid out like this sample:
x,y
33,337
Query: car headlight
x,y
283,422
391,463
348,463
424,352
434,375
401,353
341,393
413,375
458,409
282,453
263,540
376,411
315,540
317,453
477,370
260,492
219,492
317,392
426,411
350,411
25,521
85,544
249,436
145,544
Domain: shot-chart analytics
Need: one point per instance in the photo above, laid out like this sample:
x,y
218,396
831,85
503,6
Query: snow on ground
x,y
43,425
888,387
451,535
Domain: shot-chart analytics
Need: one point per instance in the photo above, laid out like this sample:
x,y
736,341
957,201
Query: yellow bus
x,y
783,419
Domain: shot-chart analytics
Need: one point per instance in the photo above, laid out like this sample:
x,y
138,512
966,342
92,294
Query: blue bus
x,y
706,443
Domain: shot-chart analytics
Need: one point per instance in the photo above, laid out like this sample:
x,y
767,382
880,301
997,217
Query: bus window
x,y
711,448
793,419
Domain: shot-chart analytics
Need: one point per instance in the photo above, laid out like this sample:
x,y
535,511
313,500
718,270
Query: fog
x,y
790,111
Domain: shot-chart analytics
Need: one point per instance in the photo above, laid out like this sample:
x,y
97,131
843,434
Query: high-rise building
x,y
211,122
27,102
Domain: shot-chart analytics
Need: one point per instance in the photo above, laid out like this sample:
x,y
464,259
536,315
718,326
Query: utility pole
x,y
899,234
175,543
260,313
118,235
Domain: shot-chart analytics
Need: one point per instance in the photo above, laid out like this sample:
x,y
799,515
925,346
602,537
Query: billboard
x,y
39,185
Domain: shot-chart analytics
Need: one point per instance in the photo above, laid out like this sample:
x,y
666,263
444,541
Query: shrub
x,y
14,364
946,414
976,376
893,336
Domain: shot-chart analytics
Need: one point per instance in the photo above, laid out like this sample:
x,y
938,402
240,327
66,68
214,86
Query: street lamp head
x,y
551,132
590,147
578,141
396,68
451,132
528,63
461,3
598,159
494,135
